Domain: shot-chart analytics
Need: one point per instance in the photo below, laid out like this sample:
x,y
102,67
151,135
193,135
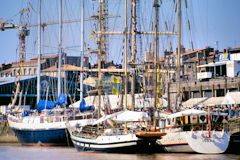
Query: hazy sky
x,y
211,21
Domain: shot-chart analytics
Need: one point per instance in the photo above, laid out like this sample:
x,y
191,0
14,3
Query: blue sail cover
x,y
41,105
25,114
61,99
84,108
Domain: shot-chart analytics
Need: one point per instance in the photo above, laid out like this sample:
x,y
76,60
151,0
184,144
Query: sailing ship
x,y
47,124
45,129
195,131
112,133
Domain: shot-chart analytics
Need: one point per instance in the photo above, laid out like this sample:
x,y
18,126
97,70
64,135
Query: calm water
x,y
8,152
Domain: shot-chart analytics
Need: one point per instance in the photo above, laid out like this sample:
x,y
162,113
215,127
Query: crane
x,y
23,32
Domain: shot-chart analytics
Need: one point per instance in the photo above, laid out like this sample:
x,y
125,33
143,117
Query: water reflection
x,y
67,153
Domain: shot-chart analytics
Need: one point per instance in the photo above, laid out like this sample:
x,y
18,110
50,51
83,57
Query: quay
x,y
6,133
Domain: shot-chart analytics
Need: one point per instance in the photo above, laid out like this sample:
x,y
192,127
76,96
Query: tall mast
x,y
156,6
99,60
60,48
39,51
125,56
103,24
82,49
134,31
179,51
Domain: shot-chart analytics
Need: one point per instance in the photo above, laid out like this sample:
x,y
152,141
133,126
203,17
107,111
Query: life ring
x,y
197,128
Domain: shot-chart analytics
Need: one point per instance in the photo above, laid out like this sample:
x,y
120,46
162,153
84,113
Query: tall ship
x,y
124,131
121,137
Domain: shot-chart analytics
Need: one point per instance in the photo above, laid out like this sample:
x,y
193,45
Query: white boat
x,y
45,129
114,136
107,141
195,131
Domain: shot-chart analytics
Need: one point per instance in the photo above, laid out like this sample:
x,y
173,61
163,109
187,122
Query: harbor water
x,y
18,152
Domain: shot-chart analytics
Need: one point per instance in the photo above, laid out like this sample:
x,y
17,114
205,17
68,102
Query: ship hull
x,y
175,142
120,147
205,142
115,144
31,132
195,142
53,137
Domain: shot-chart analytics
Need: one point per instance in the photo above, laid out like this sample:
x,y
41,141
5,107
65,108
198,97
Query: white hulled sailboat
x,y
195,131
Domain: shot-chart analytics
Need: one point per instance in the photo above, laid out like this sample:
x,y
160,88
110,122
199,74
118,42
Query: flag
x,y
116,79
185,120
224,56
158,101
193,119
179,122
158,90
115,91
202,119
173,121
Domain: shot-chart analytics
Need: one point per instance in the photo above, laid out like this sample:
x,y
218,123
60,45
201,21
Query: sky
x,y
211,21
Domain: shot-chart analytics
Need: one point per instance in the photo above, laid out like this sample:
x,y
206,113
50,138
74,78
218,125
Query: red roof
x,y
65,67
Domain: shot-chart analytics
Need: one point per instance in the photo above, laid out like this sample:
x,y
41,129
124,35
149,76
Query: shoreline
x,y
6,134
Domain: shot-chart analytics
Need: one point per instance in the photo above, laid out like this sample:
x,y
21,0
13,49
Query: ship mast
x,y
60,48
82,50
99,60
156,6
179,54
39,51
103,23
133,51
125,56
133,34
